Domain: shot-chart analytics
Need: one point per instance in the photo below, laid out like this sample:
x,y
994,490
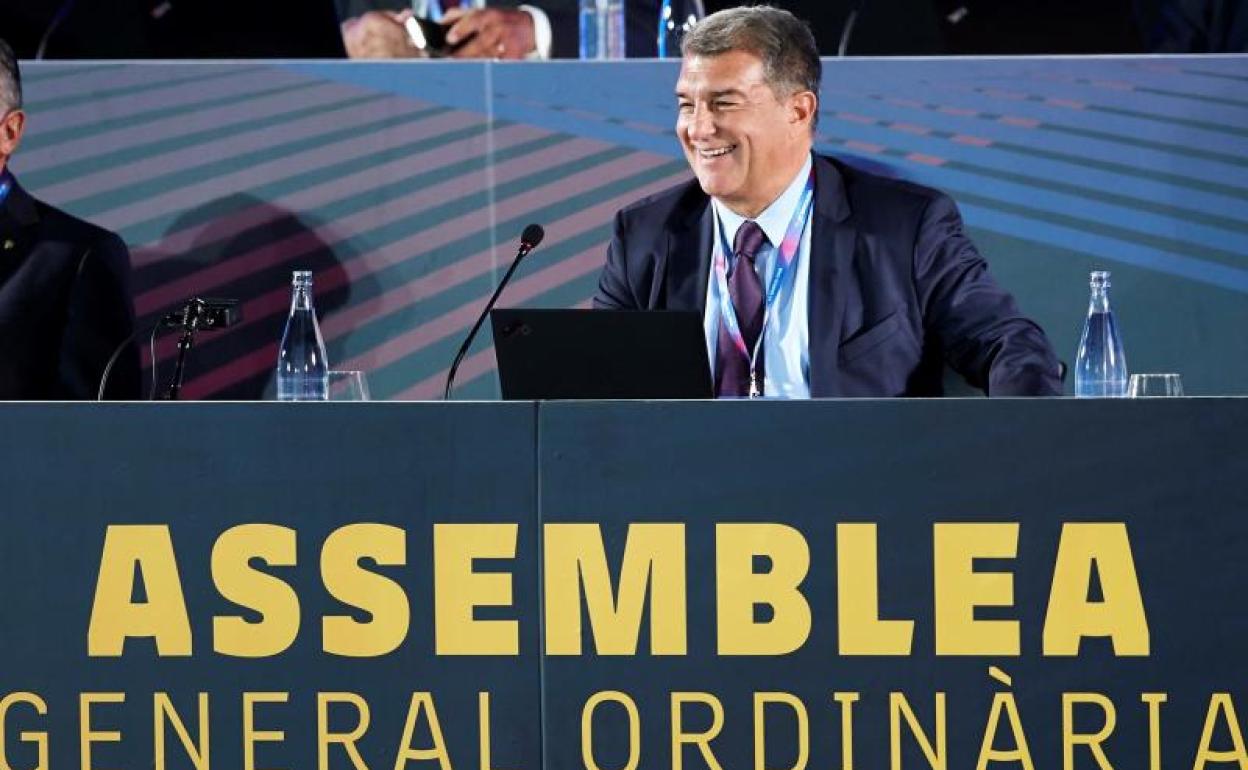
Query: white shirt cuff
x,y
541,33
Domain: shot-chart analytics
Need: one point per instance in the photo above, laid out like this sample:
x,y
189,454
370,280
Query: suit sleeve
x,y
613,289
978,324
100,318
565,24
565,27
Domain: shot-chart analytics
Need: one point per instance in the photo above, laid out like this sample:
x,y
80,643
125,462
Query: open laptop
x,y
600,354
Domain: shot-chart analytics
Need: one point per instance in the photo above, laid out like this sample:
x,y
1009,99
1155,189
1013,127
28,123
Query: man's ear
x,y
802,107
11,133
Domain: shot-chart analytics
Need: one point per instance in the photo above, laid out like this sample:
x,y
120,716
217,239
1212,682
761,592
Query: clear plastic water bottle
x,y
676,19
602,29
302,370
1100,366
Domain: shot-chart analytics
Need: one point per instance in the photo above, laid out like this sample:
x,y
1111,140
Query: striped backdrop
x,y
404,185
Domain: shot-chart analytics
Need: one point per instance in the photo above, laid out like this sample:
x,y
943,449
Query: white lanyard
x,y
786,253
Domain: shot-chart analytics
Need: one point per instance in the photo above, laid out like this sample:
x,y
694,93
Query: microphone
x,y
529,239
198,313
204,313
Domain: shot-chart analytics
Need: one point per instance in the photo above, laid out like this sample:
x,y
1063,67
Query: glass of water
x,y
1154,386
348,386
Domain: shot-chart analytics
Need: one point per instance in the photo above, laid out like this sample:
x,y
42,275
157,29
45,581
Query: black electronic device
x,y
428,36
431,36
601,354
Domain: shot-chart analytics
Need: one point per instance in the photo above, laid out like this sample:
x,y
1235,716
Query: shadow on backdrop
x,y
241,248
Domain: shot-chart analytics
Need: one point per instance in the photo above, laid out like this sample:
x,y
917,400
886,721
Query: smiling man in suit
x,y
65,302
813,278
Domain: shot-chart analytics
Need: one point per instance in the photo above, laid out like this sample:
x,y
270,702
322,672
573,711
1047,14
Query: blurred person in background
x,y
512,29
964,27
171,29
502,29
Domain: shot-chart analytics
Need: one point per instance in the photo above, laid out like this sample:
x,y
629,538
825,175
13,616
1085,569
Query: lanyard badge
x,y
787,253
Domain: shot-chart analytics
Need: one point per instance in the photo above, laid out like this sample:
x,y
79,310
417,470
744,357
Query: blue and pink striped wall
x,y
403,186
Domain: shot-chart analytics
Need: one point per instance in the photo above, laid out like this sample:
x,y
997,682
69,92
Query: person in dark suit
x,y
65,304
813,279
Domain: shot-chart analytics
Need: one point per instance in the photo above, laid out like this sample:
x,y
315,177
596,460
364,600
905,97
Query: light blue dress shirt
x,y
786,349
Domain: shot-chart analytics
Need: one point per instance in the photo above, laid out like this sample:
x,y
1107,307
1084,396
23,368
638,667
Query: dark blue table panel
x,y
1171,471
69,471
1168,473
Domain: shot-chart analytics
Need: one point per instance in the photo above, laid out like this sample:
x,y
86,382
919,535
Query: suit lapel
x,y
18,217
687,261
832,240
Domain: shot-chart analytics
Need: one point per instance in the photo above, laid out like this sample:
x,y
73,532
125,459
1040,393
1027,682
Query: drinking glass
x,y
348,386
1154,386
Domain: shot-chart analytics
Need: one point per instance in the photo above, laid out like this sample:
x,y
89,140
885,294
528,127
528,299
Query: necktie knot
x,y
749,240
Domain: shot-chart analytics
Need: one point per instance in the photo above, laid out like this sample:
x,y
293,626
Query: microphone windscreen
x,y
532,235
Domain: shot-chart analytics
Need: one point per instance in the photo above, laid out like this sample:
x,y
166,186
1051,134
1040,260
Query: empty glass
x,y
348,386
1154,386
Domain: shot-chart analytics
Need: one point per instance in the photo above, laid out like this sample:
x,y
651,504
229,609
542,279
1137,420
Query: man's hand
x,y
379,35
490,33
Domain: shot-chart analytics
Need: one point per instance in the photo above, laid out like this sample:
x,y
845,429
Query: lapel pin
x,y
9,244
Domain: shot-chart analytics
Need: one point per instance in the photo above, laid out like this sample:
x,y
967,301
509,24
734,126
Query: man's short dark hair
x,y
782,41
10,79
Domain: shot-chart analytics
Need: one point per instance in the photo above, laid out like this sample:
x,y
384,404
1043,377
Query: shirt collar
x,y
6,185
775,218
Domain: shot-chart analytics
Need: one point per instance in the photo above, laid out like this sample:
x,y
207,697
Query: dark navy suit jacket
x,y
897,289
65,305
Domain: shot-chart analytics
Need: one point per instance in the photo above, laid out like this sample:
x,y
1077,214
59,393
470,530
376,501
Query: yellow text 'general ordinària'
x,y
577,582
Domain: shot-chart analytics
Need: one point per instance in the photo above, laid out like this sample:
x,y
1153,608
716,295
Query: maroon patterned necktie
x,y
732,369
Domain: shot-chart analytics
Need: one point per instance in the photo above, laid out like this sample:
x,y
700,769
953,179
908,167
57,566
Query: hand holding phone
x,y
430,36
426,35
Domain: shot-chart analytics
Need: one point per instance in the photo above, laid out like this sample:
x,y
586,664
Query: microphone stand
x,y
196,314
190,324
848,29
528,242
57,19
184,346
